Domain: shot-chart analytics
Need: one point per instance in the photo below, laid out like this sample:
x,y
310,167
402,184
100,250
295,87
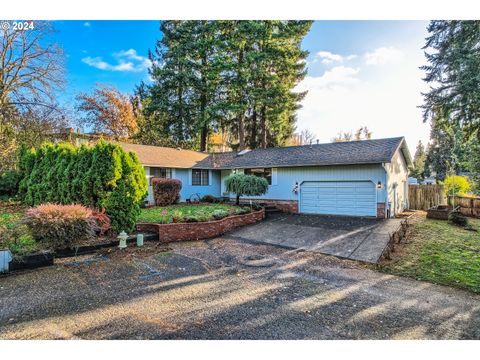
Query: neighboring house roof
x,y
337,153
164,156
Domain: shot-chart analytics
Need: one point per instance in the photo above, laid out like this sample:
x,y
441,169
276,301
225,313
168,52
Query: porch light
x,y
379,185
122,237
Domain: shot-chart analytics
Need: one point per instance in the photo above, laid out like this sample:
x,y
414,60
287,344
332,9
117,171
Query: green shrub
x,y
209,199
256,206
103,176
456,185
245,185
26,161
15,235
18,239
60,226
177,216
242,210
9,183
457,218
219,214
191,218
166,191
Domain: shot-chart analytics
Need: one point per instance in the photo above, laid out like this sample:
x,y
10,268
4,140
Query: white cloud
x,y
345,98
326,57
143,62
383,55
127,60
87,24
335,77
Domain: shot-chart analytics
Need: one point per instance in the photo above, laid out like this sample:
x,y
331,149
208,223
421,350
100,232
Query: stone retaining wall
x,y
200,230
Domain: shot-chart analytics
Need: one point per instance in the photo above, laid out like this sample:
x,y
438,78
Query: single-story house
x,y
359,178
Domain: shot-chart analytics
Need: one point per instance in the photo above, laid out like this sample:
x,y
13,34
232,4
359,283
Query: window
x,y
157,172
199,177
262,172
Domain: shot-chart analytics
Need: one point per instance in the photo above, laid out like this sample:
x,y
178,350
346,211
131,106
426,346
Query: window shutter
x,y
274,176
189,176
173,173
209,177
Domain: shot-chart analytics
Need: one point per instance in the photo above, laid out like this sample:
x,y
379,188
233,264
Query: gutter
x,y
387,212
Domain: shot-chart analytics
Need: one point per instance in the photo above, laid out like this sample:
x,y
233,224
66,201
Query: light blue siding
x,y
185,176
287,177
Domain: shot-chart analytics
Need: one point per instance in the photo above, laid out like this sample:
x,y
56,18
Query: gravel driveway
x,y
228,289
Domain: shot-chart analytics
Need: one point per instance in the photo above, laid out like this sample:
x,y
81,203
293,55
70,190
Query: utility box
x,y
5,258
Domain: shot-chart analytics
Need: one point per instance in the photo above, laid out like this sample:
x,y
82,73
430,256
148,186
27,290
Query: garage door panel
x,y
344,196
370,192
338,198
326,191
344,203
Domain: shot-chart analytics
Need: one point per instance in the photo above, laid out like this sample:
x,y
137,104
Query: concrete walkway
x,y
362,239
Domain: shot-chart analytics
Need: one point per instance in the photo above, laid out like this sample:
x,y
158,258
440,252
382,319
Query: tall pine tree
x,y
229,76
452,72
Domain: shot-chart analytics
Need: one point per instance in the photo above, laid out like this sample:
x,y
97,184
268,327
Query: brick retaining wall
x,y
200,230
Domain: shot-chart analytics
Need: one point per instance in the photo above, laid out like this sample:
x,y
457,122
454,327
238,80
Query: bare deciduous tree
x,y
363,133
31,71
305,137
108,111
31,68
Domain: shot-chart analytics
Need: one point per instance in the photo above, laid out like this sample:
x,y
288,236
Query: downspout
x,y
384,166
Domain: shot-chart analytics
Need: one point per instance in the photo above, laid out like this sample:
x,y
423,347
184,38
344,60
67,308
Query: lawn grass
x,y
182,212
441,253
14,235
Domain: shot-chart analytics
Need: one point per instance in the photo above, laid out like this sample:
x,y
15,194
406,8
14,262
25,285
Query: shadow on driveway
x,y
213,290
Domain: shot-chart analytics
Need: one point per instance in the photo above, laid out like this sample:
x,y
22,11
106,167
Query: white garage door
x,y
356,198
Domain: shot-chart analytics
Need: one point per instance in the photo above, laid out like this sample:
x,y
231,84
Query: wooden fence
x,y
423,197
469,206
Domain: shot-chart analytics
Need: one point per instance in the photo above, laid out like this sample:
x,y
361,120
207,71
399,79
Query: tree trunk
x,y
203,108
237,200
241,132
263,127
253,135
180,124
203,138
241,115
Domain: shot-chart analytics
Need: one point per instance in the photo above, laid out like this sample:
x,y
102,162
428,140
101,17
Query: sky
x,y
360,73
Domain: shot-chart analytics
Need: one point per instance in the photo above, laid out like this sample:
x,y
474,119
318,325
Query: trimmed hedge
x,y
103,176
166,191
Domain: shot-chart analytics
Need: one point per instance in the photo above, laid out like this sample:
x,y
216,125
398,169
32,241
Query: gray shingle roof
x,y
340,153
